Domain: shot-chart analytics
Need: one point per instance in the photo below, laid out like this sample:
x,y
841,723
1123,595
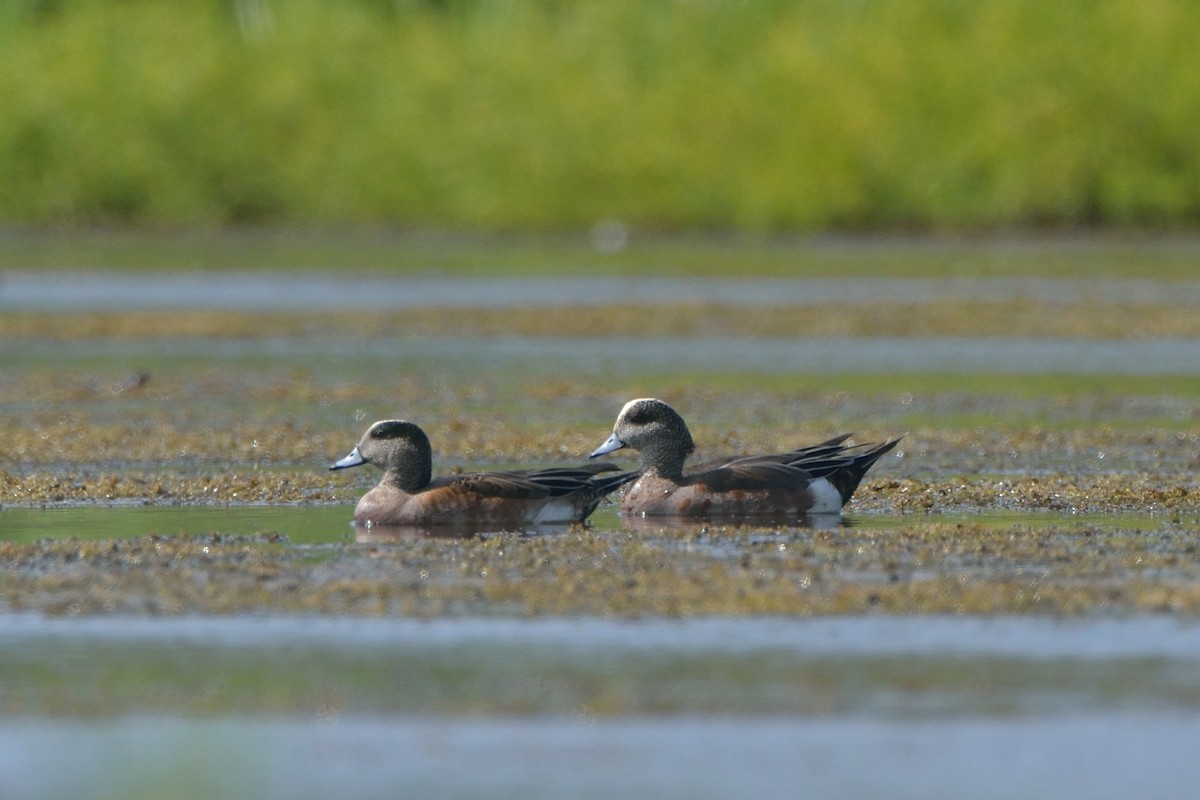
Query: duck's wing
x,y
509,485
568,480
542,483
749,475
790,470
829,447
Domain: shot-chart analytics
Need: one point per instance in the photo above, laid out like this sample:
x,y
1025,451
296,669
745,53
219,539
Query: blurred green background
x,y
547,115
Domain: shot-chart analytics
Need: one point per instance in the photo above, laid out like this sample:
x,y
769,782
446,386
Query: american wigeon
x,y
813,480
407,494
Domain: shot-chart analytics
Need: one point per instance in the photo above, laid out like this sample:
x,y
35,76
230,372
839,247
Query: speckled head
x,y
655,430
400,448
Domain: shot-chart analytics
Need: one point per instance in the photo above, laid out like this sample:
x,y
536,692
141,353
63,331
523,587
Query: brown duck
x,y
409,495
812,480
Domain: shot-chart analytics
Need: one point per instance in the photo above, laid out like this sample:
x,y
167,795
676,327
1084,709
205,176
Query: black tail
x,y
610,483
829,447
802,457
846,479
603,487
569,480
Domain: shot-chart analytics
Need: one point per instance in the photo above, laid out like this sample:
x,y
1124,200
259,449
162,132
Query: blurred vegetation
x,y
664,114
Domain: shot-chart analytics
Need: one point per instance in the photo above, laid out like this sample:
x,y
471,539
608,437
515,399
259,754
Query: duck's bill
x,y
610,444
353,460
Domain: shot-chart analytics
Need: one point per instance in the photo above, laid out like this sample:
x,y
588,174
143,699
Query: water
x,y
319,291
271,705
1098,757
332,524
300,524
711,708
316,291
533,356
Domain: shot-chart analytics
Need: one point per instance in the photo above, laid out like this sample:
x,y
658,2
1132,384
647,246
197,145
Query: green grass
x,y
548,116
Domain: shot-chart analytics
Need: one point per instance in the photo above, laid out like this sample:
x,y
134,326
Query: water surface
x,y
532,357
712,708
500,706
312,524
313,291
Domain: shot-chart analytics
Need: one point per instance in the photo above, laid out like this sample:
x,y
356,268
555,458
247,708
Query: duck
x,y
408,495
815,480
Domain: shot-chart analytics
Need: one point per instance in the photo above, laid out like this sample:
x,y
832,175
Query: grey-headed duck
x,y
816,480
409,495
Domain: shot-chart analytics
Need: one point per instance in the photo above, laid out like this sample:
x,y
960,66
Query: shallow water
x,y
582,356
714,708
577,354
296,707
332,524
311,291
300,524
1102,756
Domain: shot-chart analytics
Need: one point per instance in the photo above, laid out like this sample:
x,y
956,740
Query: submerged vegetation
x,y
764,116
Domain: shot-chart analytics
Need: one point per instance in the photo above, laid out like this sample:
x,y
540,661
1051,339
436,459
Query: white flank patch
x,y
557,510
826,498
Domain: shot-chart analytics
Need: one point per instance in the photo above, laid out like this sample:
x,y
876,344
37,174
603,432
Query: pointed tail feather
x,y
610,483
562,481
801,457
827,443
602,487
846,479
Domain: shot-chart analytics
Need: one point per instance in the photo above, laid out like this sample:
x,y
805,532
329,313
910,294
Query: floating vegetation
x,y
1026,317
233,432
58,488
926,568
